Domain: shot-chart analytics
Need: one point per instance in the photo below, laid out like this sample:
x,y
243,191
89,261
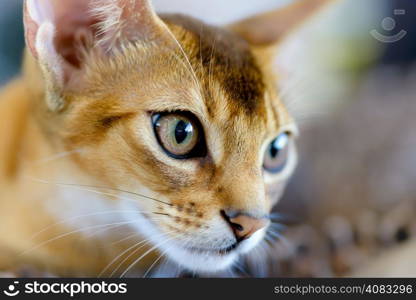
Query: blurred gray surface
x,y
11,39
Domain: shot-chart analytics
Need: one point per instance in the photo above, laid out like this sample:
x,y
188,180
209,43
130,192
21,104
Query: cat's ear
x,y
60,32
269,29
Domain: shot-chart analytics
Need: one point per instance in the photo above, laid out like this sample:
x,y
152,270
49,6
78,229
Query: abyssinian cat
x,y
131,136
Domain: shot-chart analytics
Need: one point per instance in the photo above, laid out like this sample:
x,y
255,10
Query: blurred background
x,y
349,77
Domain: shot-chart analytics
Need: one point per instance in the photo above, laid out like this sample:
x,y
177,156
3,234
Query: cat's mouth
x,y
214,251
201,257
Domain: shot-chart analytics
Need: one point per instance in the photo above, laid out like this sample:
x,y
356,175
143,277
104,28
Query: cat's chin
x,y
199,260
212,260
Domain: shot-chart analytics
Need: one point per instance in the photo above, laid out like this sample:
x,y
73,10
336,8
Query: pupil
x,y
182,130
274,150
278,144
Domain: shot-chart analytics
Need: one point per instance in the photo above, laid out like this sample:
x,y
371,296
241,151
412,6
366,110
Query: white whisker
x,y
155,262
57,156
143,255
191,69
83,216
82,187
133,234
146,242
73,232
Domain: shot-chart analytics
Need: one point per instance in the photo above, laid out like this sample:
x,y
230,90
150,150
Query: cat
x,y
131,136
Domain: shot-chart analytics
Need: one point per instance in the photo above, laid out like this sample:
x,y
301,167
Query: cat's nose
x,y
244,225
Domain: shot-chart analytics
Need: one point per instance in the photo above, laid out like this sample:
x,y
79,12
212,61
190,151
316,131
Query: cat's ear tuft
x,y
272,27
59,34
40,31
122,21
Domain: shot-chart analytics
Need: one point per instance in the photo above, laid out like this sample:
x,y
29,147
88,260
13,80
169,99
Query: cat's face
x,y
196,126
204,138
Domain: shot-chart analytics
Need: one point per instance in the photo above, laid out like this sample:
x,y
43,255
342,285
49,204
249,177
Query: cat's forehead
x,y
224,60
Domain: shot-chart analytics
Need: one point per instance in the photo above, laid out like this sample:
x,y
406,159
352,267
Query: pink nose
x,y
245,226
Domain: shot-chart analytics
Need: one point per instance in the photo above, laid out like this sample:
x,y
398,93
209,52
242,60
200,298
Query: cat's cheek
x,y
275,192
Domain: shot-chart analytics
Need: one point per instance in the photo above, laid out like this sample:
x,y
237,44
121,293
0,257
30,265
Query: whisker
x,y
101,230
201,30
57,156
146,242
239,266
100,187
210,63
191,69
280,238
119,256
166,269
133,234
274,234
112,227
143,255
277,226
185,242
232,274
83,216
155,262
186,67
73,232
276,216
258,265
269,239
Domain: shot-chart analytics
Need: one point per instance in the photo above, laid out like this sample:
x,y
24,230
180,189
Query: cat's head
x,y
170,108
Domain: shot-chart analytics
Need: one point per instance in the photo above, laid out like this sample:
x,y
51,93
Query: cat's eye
x,y
277,153
179,134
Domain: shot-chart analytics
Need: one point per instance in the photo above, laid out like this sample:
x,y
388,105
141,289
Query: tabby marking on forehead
x,y
225,57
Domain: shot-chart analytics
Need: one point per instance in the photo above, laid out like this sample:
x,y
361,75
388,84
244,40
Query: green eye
x,y
277,153
179,134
